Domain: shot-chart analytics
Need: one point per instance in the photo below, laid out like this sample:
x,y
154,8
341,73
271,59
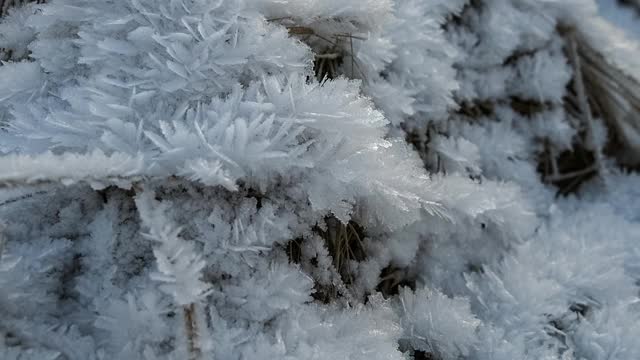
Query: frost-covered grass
x,y
318,179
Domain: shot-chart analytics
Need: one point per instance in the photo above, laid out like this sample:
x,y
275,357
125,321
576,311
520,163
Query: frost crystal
x,y
319,179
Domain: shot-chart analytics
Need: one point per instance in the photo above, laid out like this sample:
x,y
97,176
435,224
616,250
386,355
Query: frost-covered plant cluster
x,y
317,179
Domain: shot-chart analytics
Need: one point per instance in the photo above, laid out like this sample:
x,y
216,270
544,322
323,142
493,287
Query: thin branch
x,y
191,328
572,174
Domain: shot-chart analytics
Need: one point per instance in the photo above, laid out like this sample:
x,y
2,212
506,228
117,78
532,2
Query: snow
x,y
178,183
624,17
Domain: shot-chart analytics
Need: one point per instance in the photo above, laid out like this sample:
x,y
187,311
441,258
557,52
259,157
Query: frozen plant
x,y
320,179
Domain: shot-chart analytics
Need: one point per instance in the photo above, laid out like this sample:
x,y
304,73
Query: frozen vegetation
x,y
319,179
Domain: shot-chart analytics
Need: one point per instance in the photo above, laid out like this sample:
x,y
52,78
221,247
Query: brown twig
x,y
191,328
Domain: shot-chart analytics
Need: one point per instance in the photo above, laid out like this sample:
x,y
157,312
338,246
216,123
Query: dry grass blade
x,y
583,101
614,94
332,52
598,90
345,244
191,328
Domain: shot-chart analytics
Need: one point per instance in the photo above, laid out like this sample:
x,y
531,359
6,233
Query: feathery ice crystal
x,y
317,179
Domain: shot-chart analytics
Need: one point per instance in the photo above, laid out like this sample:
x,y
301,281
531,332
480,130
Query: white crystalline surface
x,y
177,183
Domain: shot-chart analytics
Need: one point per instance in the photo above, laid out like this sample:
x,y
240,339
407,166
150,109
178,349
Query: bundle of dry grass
x,y
333,46
600,92
604,90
